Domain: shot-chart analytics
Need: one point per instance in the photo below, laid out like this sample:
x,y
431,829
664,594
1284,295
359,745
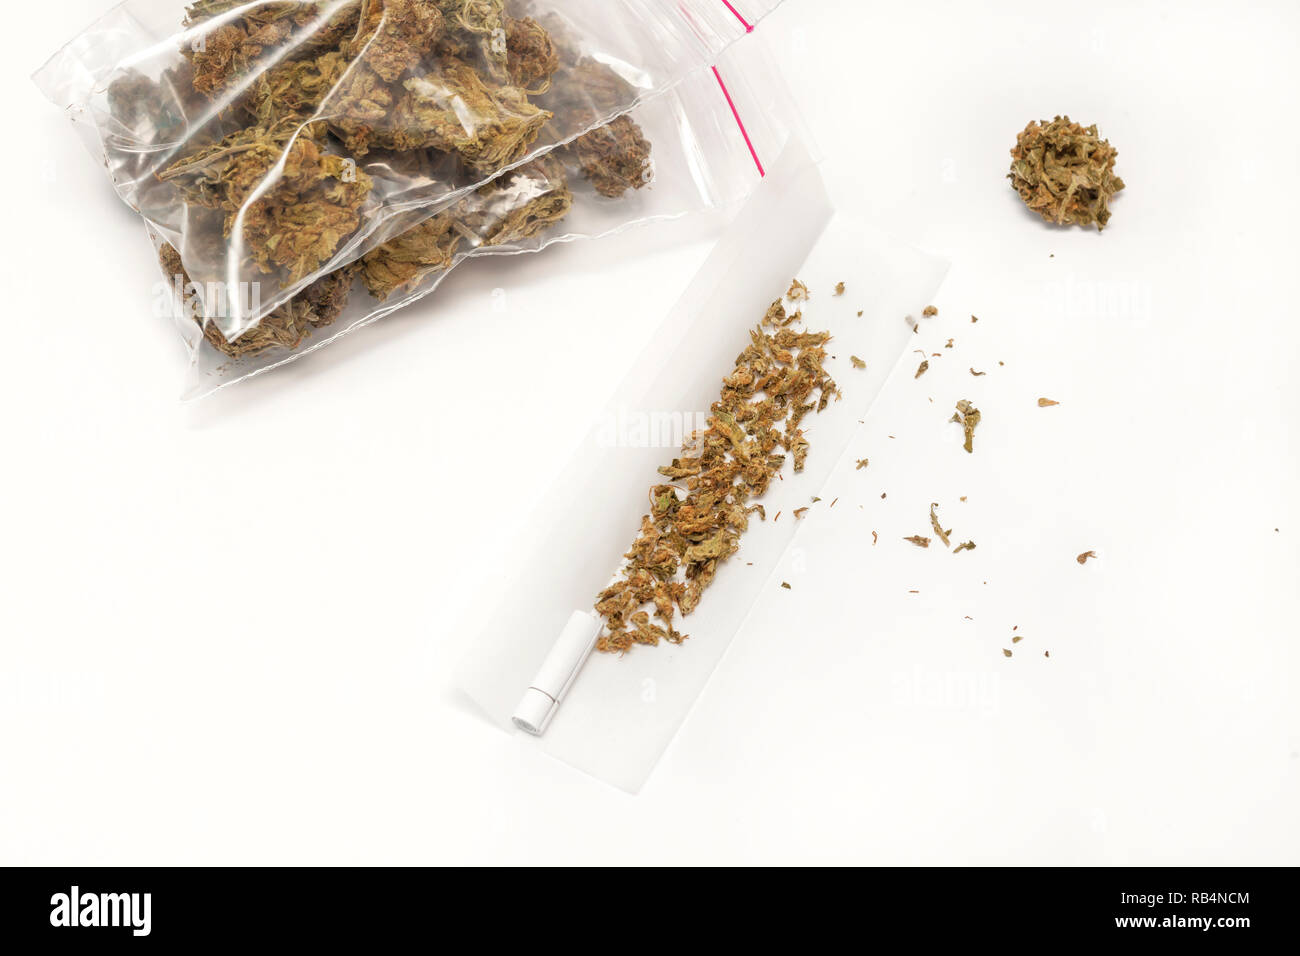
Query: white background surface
x,y
227,631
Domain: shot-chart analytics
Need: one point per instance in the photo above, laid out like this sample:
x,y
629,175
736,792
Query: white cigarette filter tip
x,y
558,671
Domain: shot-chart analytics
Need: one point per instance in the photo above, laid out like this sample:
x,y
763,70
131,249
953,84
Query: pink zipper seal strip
x,y
748,26
739,122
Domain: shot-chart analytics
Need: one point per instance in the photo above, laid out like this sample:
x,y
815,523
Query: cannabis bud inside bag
x,y
272,143
700,146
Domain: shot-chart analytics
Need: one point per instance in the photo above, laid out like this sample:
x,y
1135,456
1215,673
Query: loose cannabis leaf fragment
x,y
968,416
965,546
839,288
857,362
929,312
696,522
1083,558
1065,172
938,528
922,368
1046,403
798,292
918,540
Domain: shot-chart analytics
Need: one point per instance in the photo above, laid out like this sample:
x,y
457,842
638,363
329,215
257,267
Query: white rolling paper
x,y
621,712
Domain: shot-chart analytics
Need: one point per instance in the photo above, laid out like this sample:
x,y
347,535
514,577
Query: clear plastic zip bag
x,y
274,142
700,146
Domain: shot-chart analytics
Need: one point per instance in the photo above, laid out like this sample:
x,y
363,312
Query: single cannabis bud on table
x,y
696,523
1065,172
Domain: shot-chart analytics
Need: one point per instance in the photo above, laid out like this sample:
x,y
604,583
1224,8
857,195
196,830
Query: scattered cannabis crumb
x,y
1006,652
799,513
1083,558
974,319
918,540
949,345
696,522
839,288
1017,639
797,292
1065,172
1046,403
862,463
977,374
922,368
929,311
786,585
965,546
938,528
860,311
874,538
857,362
968,416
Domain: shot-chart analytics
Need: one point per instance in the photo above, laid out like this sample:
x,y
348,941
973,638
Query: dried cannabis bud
x,y
516,206
614,158
315,307
696,522
300,220
1065,172
531,55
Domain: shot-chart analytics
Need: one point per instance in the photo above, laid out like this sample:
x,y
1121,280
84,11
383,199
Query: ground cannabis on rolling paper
x,y
314,91
696,521
1065,172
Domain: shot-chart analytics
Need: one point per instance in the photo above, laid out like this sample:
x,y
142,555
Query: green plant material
x,y
938,528
393,36
696,523
531,55
798,292
516,206
614,158
857,362
922,368
453,109
968,416
965,546
298,221
235,46
918,540
1065,172
317,306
